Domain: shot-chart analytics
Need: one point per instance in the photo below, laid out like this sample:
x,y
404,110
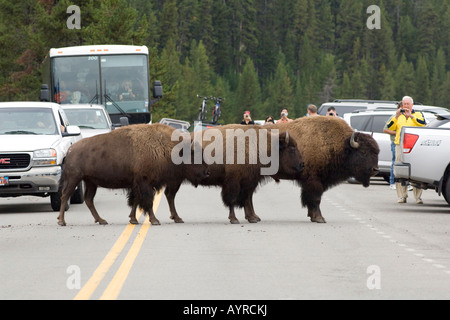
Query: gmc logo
x,y
5,161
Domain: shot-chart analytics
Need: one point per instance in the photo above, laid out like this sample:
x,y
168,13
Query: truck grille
x,y
14,161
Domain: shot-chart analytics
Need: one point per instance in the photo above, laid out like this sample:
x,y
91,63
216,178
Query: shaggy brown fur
x,y
239,181
136,158
329,157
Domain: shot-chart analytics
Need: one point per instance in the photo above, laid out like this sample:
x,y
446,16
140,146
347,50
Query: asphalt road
x,y
371,248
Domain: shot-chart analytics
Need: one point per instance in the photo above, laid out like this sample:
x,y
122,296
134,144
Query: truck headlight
x,y
44,157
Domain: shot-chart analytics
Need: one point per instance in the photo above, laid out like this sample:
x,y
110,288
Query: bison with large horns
x,y
137,158
239,180
332,152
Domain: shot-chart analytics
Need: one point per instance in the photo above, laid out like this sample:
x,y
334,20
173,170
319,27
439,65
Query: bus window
x,y
76,80
125,83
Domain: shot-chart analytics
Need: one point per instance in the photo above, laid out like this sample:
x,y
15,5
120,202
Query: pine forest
x,y
259,55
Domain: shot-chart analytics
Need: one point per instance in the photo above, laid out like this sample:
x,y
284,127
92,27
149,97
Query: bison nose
x,y
300,167
375,171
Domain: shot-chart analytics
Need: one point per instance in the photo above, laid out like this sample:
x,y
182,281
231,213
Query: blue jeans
x,y
392,177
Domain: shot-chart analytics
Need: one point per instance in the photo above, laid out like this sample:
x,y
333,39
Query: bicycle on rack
x,y
216,112
203,108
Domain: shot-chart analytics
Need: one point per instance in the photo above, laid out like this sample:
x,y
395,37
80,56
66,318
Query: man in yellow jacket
x,y
405,116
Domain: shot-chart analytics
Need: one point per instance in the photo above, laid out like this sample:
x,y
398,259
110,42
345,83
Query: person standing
x,y
406,116
284,116
312,110
392,134
247,118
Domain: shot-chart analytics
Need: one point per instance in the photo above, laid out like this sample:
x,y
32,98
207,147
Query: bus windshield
x,y
119,82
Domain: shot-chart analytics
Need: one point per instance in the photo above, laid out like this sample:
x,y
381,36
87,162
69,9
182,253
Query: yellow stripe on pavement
x,y
91,285
116,284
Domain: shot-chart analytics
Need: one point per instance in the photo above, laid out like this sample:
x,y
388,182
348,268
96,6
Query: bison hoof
x,y
134,221
234,221
155,223
62,223
176,219
318,220
253,220
102,222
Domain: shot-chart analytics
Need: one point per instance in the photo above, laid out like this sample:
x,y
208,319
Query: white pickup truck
x,y
425,158
34,139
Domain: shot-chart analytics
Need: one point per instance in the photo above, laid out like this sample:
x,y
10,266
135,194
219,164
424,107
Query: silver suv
x,y
373,122
34,139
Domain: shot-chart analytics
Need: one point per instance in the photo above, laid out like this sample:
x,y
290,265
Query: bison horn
x,y
353,143
286,139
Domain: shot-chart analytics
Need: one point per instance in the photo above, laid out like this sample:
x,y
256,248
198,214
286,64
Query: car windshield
x,y
27,121
87,118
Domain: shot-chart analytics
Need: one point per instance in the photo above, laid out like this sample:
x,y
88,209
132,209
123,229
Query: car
x,y
92,119
442,121
34,140
349,106
373,122
344,106
200,126
177,124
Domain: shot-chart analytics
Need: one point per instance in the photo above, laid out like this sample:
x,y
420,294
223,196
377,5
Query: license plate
x,y
4,181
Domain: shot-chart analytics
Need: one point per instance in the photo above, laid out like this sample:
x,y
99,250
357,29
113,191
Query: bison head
x,y
363,153
291,161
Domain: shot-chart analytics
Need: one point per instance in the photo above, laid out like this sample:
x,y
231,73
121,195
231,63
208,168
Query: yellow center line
x,y
113,290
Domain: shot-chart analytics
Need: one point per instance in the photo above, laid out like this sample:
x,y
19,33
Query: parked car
x,y
344,106
349,106
199,126
177,124
425,159
373,122
34,139
92,119
442,121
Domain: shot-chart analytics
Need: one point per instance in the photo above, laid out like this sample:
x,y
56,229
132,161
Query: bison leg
x,y
91,190
132,215
170,192
250,214
66,193
311,198
146,197
133,204
232,216
230,193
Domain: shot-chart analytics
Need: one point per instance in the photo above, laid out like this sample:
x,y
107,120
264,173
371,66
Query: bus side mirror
x,y
45,93
157,89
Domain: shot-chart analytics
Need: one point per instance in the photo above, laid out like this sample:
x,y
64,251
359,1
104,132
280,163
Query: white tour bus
x,y
116,76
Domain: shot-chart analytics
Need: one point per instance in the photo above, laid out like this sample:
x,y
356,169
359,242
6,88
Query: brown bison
x,y
136,158
239,179
332,153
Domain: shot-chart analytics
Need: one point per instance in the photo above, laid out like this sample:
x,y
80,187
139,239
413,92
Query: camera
x,y
402,110
331,114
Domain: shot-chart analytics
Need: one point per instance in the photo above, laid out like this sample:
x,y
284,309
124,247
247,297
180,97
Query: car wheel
x,y
55,201
446,189
78,195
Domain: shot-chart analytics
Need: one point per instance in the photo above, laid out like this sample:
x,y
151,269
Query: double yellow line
x,y
115,286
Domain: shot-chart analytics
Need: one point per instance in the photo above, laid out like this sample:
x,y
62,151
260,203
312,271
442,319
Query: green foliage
x,y
258,55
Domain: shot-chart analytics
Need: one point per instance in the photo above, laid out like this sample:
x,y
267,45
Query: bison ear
x,y
353,143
